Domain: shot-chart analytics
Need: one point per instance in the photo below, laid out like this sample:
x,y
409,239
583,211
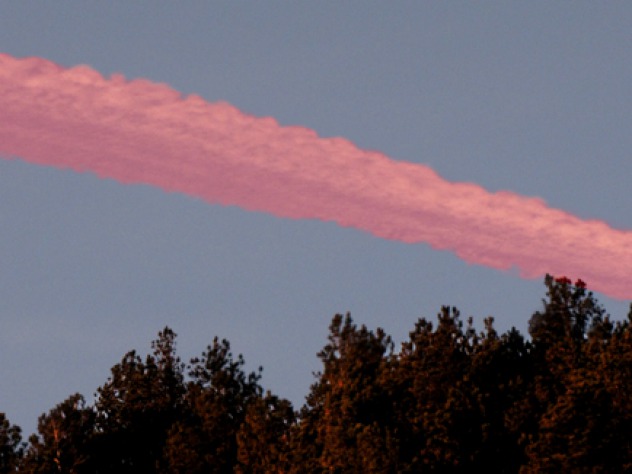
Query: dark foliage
x,y
11,446
450,400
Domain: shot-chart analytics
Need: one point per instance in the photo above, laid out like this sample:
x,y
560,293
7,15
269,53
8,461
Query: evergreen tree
x,y
263,438
137,407
11,446
61,444
583,365
439,417
204,440
344,427
451,400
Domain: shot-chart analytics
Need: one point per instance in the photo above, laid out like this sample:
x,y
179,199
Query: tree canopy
x,y
450,399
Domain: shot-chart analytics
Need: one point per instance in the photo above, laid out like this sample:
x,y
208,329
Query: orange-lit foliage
x,y
452,399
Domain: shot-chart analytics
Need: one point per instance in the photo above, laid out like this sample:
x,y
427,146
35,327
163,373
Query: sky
x,y
530,100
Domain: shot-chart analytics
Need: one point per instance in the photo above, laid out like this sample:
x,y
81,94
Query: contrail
x,y
141,132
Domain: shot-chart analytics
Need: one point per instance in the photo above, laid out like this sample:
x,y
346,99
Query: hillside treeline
x,y
451,399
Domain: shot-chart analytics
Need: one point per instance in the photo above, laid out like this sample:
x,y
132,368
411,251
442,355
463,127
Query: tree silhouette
x,y
137,407
450,400
62,440
11,447
263,438
218,396
582,387
344,425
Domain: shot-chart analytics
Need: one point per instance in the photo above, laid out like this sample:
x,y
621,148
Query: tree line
x,y
450,399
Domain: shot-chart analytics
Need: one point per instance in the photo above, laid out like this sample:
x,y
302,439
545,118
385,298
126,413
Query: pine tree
x,y
344,427
582,388
204,440
263,438
137,407
64,434
11,446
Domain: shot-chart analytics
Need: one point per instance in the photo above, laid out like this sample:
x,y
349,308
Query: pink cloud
x,y
141,132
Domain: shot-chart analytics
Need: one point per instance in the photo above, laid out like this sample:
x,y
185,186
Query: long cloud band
x,y
141,132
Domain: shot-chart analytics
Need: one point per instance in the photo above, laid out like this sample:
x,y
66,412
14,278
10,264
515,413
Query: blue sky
x,y
529,97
